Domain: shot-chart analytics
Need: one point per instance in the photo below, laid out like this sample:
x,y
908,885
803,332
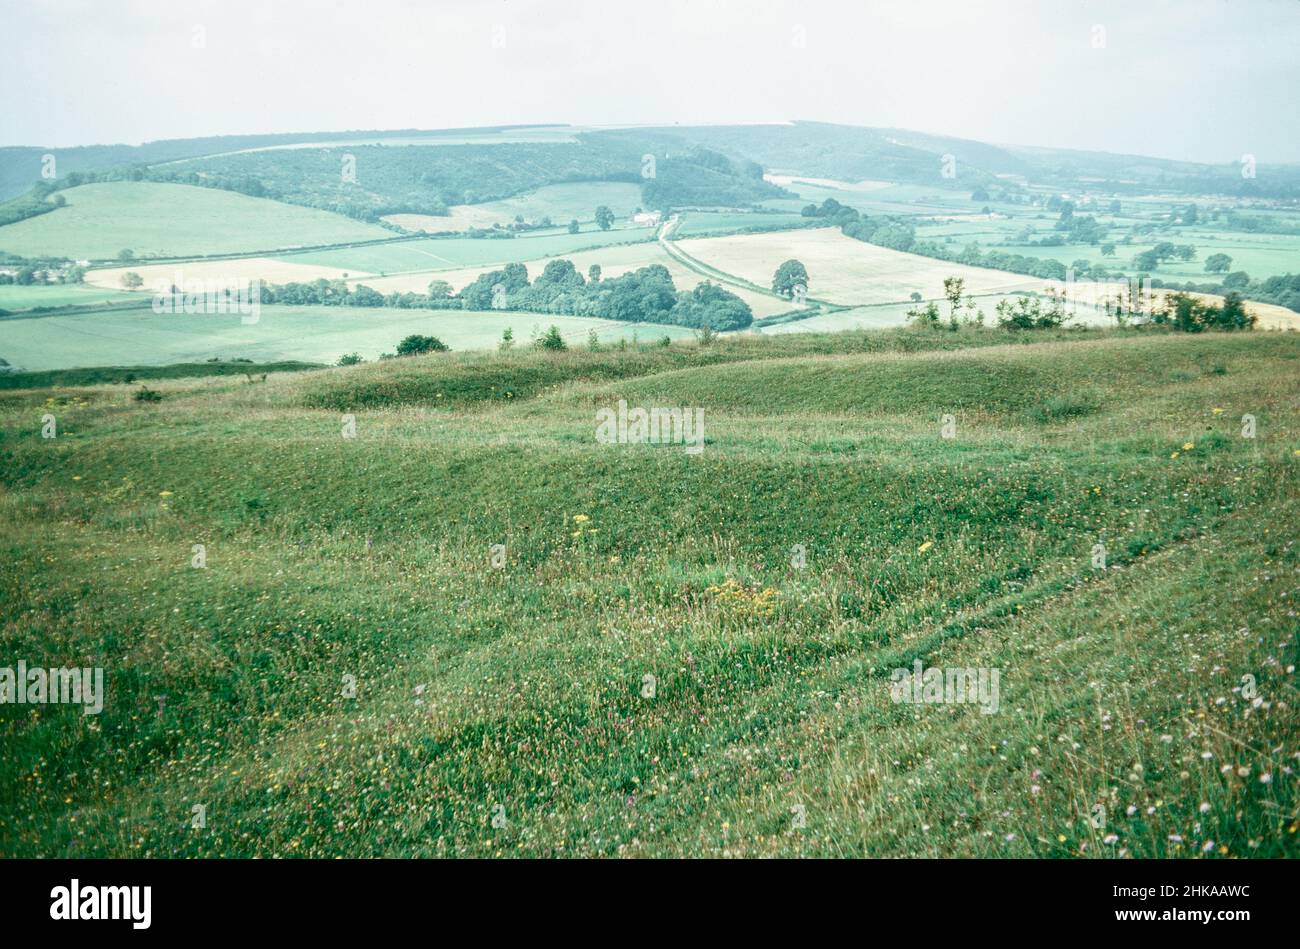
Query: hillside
x,y
653,670
171,220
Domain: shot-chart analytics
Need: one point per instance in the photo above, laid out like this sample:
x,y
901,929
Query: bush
x,y
552,340
350,359
145,394
415,345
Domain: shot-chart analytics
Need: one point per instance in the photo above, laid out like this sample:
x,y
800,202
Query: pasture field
x,y
844,270
14,297
1260,255
561,203
224,273
171,220
318,334
447,253
651,671
703,222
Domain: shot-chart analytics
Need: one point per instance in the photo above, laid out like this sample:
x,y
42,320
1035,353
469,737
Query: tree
x,y
1218,263
573,226
415,344
1237,280
439,290
507,339
132,280
593,273
1185,252
952,289
552,340
1147,260
604,217
1108,250
916,297
126,254
788,276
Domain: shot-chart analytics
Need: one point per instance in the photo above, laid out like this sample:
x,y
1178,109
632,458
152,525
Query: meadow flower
x,y
164,494
924,547
1188,446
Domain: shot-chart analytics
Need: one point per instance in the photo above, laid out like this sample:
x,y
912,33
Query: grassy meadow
x,y
171,220
650,671
319,334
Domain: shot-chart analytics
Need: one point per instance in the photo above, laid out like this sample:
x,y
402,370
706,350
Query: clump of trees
x,y
1218,263
1030,313
1190,314
415,345
1149,260
644,295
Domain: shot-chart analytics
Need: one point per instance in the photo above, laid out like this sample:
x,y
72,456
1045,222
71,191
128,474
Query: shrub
x,y
350,359
415,345
552,340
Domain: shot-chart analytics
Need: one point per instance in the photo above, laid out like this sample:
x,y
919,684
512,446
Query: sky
x,y
1203,80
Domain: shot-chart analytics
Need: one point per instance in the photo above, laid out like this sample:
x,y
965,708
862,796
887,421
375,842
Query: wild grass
x,y
506,712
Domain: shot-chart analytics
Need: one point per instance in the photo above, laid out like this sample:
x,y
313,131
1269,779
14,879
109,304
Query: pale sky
x,y
1206,80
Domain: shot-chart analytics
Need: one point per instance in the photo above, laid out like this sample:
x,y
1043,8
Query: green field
x,y
14,297
305,333
167,220
709,222
447,253
650,673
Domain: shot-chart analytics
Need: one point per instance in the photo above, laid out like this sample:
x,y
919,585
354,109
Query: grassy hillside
x,y
169,220
503,712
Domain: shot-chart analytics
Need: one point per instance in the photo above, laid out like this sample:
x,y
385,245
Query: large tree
x,y
1218,263
604,217
788,276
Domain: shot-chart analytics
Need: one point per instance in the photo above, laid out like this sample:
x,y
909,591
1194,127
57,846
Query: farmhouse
x,y
646,218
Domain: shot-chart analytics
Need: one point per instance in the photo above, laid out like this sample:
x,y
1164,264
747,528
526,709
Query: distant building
x,y
646,218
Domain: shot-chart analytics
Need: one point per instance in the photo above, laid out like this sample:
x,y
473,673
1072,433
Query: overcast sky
x,y
1206,80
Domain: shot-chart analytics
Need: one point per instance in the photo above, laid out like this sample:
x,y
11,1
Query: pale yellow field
x,y
844,270
613,261
461,217
787,180
218,273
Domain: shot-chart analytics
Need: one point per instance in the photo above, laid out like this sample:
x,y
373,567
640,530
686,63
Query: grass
x,y
14,297
450,253
313,334
167,220
105,375
518,692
